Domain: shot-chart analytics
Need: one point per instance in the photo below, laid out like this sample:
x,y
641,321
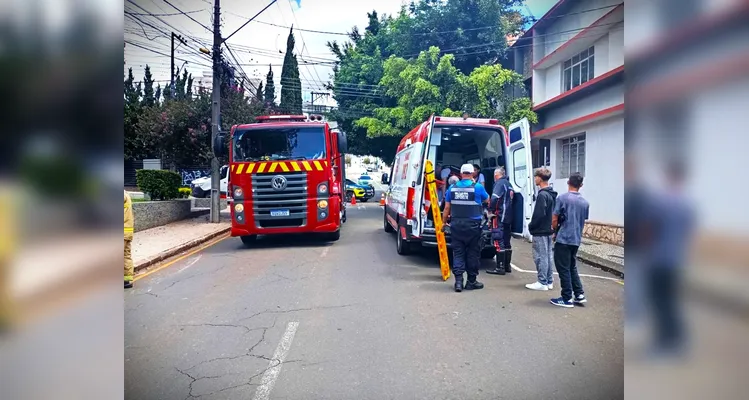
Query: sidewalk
x,y
157,244
608,257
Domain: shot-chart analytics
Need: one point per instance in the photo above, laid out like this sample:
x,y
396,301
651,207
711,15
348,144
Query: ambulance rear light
x,y
492,121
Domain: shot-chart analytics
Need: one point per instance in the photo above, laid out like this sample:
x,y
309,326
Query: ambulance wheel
x,y
349,195
248,240
388,228
402,246
488,253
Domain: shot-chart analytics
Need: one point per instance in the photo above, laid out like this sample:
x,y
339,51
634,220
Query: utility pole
x,y
171,91
216,111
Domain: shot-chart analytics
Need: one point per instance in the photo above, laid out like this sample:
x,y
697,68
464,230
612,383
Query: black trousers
x,y
566,263
465,238
664,290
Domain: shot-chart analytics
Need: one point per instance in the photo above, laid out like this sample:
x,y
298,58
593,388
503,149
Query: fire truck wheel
x,y
388,228
248,240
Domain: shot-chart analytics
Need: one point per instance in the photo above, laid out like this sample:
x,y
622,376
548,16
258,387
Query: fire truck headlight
x,y
238,192
323,188
238,208
322,204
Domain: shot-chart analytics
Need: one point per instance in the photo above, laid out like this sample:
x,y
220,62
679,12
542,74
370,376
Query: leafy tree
x,y
348,159
291,85
134,145
270,88
431,84
367,161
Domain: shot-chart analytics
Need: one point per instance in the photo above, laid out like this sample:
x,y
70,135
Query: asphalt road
x,y
297,318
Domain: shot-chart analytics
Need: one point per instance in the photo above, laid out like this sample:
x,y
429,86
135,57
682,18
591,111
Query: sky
x,y
256,45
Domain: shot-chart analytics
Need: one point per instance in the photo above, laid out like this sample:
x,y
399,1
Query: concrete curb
x,y
179,249
601,263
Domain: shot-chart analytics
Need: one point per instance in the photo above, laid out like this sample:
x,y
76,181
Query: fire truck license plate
x,y
279,213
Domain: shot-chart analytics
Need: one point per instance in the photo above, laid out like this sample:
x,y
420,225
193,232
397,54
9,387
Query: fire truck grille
x,y
280,202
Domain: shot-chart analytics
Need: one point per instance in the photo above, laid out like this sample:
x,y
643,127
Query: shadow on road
x,y
290,240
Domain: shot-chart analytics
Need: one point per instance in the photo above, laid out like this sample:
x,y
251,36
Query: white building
x,y
572,59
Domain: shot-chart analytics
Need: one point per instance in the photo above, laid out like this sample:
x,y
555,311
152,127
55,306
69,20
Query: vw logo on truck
x,y
279,183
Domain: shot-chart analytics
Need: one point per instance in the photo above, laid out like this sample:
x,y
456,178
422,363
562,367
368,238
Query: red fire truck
x,y
286,176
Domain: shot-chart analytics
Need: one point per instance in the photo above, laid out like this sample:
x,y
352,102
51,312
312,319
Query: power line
x,y
250,20
188,16
423,33
168,14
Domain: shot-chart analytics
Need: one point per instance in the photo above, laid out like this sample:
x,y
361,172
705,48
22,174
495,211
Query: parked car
x,y
362,193
201,187
365,180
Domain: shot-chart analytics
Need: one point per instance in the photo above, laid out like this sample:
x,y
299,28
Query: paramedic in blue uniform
x,y
463,204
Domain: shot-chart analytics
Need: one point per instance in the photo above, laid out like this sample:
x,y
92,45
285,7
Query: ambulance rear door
x,y
520,175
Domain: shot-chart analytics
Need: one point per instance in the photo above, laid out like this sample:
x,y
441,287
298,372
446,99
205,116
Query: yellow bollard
x,y
438,224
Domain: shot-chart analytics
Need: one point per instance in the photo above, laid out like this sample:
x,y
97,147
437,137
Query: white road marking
x,y
608,278
274,367
324,252
190,264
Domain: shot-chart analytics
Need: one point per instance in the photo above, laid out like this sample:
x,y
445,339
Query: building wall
x,y
578,17
609,55
598,101
604,168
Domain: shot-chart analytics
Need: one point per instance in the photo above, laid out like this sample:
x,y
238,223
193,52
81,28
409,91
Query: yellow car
x,y
362,193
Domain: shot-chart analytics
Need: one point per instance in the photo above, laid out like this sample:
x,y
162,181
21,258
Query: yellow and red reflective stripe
x,y
240,168
295,165
284,168
250,167
318,165
307,166
261,168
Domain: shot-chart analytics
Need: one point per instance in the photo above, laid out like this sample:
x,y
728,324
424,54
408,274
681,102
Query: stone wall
x,y
149,214
604,232
206,203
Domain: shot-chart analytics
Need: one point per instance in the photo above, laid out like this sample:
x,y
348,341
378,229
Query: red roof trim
x,y
577,121
581,87
579,35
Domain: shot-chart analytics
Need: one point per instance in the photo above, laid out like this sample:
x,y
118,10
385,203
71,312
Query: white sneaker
x,y
537,286
550,286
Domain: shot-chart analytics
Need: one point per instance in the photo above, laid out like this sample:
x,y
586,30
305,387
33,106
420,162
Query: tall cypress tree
x,y
291,85
259,94
149,99
270,88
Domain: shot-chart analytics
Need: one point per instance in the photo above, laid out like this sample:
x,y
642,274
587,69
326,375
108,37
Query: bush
x,y
184,192
159,184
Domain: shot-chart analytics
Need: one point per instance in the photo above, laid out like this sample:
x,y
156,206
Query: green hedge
x,y
159,184
184,192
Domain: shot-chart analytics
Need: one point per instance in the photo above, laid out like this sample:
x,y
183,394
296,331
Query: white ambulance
x,y
451,142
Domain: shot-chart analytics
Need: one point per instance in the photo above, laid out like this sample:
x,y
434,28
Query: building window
x,y
571,156
578,69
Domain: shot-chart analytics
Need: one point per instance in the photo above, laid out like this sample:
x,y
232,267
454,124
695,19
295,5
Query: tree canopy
x,y
177,127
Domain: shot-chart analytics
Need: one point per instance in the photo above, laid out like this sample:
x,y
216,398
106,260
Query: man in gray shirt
x,y
570,213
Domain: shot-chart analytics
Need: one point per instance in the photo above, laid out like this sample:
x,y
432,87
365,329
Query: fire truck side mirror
x,y
219,144
342,142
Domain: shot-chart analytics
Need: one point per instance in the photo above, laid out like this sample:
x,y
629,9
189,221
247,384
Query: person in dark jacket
x,y
540,229
501,207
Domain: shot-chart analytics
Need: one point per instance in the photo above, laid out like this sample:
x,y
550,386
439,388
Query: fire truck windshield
x,y
303,143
